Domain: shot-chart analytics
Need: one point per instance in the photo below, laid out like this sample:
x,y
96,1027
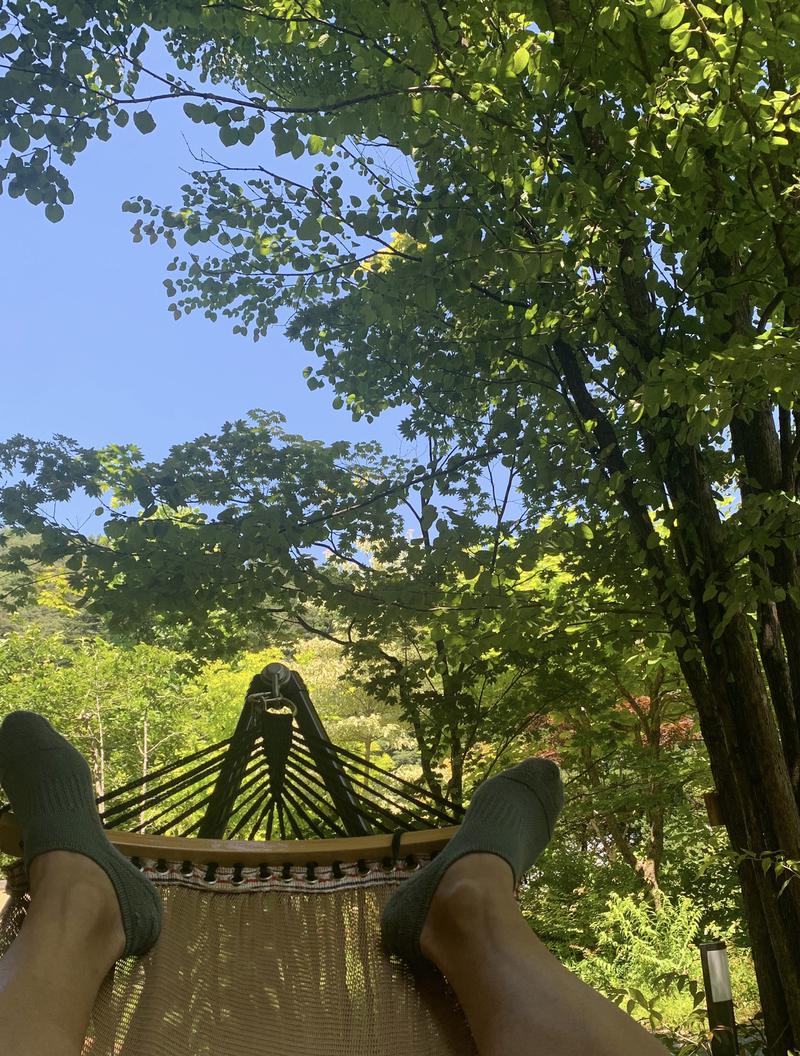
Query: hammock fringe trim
x,y
310,878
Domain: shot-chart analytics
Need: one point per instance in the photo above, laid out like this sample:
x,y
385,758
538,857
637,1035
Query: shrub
x,y
647,960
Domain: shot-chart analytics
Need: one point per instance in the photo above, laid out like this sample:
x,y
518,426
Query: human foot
x,y
80,896
510,818
49,786
471,898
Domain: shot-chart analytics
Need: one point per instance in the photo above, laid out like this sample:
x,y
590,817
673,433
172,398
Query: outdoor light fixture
x,y
719,998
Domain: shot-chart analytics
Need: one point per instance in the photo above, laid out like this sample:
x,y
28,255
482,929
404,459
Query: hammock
x,y
269,947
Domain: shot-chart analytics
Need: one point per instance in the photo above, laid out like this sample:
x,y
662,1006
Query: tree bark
x,y
757,444
763,796
770,987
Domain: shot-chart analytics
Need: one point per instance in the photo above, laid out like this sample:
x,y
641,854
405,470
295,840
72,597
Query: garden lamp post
x,y
719,998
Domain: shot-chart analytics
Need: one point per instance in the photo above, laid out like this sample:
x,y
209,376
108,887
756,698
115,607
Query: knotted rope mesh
x,y
255,965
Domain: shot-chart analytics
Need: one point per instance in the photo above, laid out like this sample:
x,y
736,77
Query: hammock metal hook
x,y
278,676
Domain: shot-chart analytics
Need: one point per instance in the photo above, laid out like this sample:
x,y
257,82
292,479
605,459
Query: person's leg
x,y
89,904
459,912
518,999
50,977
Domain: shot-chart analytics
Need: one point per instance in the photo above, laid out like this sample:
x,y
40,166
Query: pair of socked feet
x,y
48,784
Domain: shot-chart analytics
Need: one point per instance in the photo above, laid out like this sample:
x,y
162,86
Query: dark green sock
x,y
511,815
49,786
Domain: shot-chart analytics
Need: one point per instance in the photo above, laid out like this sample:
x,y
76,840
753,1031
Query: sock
x,y
49,786
512,815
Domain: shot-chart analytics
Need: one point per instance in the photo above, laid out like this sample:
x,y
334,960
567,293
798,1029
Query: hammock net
x,y
258,959
270,967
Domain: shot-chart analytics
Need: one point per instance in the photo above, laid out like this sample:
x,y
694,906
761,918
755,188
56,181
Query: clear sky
x,y
89,349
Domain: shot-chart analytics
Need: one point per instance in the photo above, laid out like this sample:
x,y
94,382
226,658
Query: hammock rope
x,y
290,958
279,774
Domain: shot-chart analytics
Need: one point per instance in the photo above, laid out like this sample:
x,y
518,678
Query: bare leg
x,y
50,977
518,999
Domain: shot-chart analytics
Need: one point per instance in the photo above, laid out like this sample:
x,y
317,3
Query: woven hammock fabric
x,y
287,965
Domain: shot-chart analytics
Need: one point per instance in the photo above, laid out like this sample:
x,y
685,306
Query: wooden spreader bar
x,y
246,852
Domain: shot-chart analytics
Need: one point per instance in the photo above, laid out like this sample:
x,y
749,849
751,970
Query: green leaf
x,y
54,213
639,997
428,516
315,144
228,135
673,17
679,39
143,120
19,139
309,229
520,60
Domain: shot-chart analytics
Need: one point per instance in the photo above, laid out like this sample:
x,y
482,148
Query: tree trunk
x,y
770,988
737,717
759,818
763,815
768,469
455,786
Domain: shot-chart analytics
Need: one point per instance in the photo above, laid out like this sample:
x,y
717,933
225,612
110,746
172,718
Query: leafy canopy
x,y
533,207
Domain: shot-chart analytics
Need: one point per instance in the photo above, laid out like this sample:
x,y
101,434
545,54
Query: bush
x,y
647,961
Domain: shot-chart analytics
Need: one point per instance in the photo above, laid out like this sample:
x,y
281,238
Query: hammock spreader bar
x,y
271,853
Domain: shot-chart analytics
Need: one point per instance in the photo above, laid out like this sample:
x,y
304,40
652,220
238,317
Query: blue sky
x,y
89,348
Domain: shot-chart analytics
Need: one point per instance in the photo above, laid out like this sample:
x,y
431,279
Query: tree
x,y
39,594
595,264
625,724
123,707
447,625
212,558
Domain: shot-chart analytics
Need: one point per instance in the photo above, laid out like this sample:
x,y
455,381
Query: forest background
x,y
574,279
635,876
